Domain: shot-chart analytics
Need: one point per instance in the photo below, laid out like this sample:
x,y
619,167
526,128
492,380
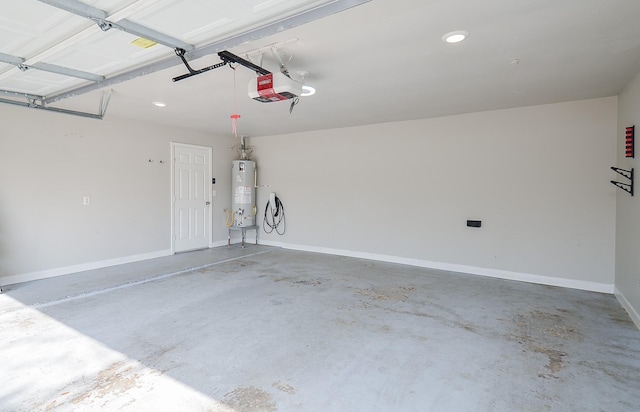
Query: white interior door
x,y
191,197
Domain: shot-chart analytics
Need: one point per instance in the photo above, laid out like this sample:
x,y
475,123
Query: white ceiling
x,y
377,62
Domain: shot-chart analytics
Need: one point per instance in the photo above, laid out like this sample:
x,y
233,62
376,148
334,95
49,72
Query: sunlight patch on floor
x,y
58,368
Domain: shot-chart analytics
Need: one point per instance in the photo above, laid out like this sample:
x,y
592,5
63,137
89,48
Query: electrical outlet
x,y
86,200
474,223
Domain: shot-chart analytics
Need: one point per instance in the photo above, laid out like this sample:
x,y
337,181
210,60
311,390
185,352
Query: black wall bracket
x,y
627,187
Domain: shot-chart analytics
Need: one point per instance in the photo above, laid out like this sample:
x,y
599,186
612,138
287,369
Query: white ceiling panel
x,y
11,39
263,12
180,18
108,53
35,27
91,60
28,16
113,6
201,21
280,6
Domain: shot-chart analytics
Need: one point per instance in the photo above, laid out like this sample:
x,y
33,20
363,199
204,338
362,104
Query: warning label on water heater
x,y
242,194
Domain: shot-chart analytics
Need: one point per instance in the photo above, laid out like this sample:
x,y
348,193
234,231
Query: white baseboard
x,y
451,267
218,243
495,273
48,273
635,317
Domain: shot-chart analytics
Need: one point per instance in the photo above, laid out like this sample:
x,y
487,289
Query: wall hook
x,y
627,187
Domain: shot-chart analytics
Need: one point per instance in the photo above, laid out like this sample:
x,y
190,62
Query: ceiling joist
x,y
23,96
51,68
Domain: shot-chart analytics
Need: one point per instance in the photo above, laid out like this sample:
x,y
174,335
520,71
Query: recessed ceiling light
x,y
455,36
308,91
159,104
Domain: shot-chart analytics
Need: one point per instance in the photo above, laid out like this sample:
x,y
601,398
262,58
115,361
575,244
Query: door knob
x,y
208,203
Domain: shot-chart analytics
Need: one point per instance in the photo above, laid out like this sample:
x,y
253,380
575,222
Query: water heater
x,y
243,195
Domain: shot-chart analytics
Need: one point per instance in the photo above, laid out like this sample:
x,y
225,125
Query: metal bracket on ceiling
x,y
100,17
103,24
37,102
283,67
180,53
225,56
232,58
105,98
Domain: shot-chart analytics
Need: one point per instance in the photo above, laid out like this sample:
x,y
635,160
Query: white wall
x,y
50,161
628,208
537,177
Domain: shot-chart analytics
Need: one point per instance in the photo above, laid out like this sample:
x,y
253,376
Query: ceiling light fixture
x,y
159,104
455,36
307,91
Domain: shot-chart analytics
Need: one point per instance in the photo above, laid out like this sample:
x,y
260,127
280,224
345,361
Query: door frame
x,y
171,193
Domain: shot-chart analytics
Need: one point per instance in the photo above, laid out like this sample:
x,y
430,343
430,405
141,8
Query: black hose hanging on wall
x,y
277,217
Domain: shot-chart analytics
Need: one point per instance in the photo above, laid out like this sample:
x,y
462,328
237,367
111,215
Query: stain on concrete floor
x,y
250,399
284,387
393,293
113,381
546,333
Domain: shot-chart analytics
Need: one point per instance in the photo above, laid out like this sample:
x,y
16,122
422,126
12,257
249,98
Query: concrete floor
x,y
266,329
